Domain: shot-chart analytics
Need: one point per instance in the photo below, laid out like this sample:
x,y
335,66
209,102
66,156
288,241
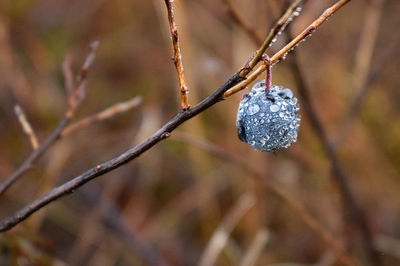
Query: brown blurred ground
x,y
166,204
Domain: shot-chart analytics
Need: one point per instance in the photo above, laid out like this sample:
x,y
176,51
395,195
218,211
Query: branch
x,y
276,30
177,58
355,211
289,47
103,115
73,102
127,156
340,176
26,127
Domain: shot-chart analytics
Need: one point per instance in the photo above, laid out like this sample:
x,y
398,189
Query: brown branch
x,y
262,178
73,102
354,210
123,158
78,92
285,50
276,29
26,126
177,58
108,113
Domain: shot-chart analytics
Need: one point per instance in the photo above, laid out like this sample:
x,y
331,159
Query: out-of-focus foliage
x,y
167,203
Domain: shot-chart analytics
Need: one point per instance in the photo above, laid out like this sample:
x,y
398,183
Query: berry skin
x,y
268,122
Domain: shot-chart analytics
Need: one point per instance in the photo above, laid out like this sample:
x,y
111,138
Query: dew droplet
x,y
274,108
253,109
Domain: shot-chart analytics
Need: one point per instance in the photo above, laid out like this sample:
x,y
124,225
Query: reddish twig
x,y
268,74
73,102
177,58
26,127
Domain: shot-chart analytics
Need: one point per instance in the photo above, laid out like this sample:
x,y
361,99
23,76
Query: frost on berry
x,y
270,121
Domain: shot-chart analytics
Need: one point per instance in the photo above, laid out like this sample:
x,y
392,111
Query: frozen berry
x,y
270,121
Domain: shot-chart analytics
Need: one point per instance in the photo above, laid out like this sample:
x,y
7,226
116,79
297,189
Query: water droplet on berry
x,y
253,109
274,108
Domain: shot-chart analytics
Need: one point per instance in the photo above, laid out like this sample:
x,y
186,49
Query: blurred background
x,y
188,200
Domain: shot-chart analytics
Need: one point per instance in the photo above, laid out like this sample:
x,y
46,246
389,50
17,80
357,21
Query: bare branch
x,y
108,113
101,169
177,58
221,235
276,29
73,103
285,50
356,213
256,247
26,126
77,93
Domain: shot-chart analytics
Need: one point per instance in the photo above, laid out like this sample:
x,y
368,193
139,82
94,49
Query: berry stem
x,y
268,78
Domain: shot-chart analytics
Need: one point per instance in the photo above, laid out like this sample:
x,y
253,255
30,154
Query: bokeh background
x,y
164,207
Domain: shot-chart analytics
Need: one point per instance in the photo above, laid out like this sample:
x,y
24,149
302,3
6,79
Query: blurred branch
x,y
255,249
362,64
233,12
389,245
26,126
354,210
305,216
161,134
73,102
68,74
358,214
221,234
177,58
107,113
289,47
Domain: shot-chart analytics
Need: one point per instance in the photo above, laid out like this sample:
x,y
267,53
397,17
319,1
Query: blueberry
x,y
268,122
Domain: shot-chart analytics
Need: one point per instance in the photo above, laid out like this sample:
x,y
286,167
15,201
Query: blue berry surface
x,y
268,122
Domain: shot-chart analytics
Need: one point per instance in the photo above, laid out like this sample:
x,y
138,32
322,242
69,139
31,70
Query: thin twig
x,y
78,92
255,249
240,21
108,113
73,102
26,127
221,235
177,58
276,29
262,178
285,50
68,74
123,158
